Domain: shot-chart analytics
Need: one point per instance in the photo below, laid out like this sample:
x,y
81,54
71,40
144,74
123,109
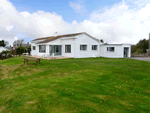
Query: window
x,y
94,47
42,48
34,48
67,48
111,49
83,47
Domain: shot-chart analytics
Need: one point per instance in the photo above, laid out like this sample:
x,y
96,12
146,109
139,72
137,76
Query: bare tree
x,y
6,43
18,42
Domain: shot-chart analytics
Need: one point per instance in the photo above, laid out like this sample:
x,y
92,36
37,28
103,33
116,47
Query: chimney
x,y
149,40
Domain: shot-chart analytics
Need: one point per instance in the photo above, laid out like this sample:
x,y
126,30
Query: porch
x,y
50,50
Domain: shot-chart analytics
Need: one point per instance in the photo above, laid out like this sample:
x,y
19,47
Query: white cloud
x,y
8,28
122,23
16,38
117,24
78,6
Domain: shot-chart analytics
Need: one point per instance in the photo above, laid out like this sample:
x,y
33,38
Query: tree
x,y
18,42
20,50
140,47
2,43
102,41
143,45
6,43
139,51
5,53
133,48
13,51
29,49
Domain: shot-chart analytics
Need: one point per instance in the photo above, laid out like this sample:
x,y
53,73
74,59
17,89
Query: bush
x,y
20,50
138,51
4,52
9,56
28,49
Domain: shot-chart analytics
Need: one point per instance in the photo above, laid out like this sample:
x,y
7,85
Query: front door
x,y
56,49
126,51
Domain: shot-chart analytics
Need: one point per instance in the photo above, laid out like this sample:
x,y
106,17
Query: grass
x,y
90,85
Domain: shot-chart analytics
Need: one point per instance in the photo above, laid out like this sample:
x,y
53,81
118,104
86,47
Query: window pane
x,y
68,48
34,47
42,48
83,47
111,49
94,47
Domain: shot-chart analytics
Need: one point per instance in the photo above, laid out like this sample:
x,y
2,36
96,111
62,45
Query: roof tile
x,y
48,39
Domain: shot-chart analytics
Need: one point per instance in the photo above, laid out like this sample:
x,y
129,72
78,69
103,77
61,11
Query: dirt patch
x,y
30,102
2,108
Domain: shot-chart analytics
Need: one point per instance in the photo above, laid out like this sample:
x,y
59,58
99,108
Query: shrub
x,y
4,52
9,56
28,49
20,50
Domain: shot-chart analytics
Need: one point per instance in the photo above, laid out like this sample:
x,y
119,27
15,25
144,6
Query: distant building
x,y
15,45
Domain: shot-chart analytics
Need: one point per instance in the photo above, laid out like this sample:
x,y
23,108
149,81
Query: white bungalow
x,y
77,45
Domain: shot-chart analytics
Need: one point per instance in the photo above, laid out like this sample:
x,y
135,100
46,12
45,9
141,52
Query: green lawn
x,y
89,85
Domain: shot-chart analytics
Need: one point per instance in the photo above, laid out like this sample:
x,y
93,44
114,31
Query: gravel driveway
x,y
141,58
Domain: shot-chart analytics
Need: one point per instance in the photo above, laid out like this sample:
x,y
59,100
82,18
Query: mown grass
x,y
89,85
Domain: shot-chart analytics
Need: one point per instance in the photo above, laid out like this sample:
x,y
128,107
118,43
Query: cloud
x,y
78,6
122,23
119,23
16,38
9,28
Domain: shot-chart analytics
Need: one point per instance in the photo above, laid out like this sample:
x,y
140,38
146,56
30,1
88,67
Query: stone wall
x,y
139,55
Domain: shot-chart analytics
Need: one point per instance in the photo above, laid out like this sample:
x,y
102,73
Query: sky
x,y
114,21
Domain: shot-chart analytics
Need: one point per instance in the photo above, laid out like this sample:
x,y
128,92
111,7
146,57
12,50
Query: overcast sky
x,y
114,21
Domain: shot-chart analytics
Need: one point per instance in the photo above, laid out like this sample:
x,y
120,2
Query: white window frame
x,y
66,48
33,47
109,50
44,47
81,47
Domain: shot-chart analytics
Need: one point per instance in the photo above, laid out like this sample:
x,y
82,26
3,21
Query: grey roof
x,y
51,38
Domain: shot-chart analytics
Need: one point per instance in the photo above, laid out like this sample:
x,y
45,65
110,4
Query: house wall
x,y
118,53
85,40
68,42
41,54
75,43
64,41
129,46
34,52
